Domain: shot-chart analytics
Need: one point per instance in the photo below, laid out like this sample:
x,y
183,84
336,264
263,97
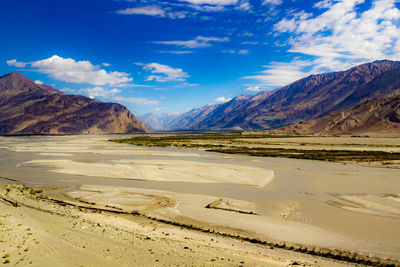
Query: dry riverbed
x,y
41,232
163,206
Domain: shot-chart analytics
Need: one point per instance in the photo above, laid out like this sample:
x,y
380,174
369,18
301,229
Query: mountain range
x,y
30,108
306,99
363,99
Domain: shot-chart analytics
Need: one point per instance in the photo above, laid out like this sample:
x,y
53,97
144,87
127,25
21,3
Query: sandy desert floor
x,y
114,202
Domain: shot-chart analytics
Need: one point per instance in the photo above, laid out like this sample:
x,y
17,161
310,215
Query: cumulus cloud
x,y
243,5
336,39
342,36
222,99
198,42
163,73
135,100
15,63
99,92
38,82
70,70
106,64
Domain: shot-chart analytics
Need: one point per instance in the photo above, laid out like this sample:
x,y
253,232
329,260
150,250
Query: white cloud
x,y
70,70
247,34
223,99
229,51
211,2
243,52
338,38
254,88
207,8
15,63
342,36
146,10
249,43
323,4
185,84
153,10
281,73
38,82
99,92
68,90
198,42
168,73
272,2
135,100
115,91
106,64
243,5
239,52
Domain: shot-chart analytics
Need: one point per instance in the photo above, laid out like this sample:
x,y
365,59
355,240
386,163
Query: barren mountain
x,y
376,116
30,108
305,99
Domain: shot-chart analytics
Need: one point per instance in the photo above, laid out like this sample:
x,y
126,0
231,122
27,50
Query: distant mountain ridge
x,y
159,121
308,98
30,108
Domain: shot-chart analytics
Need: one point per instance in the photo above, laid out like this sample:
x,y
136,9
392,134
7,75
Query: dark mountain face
x,y
29,108
373,117
305,99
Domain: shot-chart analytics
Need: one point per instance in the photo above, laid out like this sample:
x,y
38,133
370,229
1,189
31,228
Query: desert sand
x,y
347,209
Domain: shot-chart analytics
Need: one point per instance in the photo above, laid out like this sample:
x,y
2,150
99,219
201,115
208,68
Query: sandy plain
x,y
313,205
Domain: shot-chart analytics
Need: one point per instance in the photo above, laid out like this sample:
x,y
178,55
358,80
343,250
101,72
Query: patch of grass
x,y
325,155
170,139
224,141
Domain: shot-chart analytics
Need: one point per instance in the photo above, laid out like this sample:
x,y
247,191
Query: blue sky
x,y
171,56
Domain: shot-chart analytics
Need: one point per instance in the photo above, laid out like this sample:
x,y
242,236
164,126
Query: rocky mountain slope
x,y
30,108
376,116
305,99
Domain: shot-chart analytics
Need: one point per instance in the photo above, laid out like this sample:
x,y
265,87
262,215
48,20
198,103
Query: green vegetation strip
x,y
326,155
205,142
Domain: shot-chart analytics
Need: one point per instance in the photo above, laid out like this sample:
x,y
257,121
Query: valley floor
x,y
378,151
100,203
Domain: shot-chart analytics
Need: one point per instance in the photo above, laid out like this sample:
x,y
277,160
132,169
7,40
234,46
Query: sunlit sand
x,y
314,204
